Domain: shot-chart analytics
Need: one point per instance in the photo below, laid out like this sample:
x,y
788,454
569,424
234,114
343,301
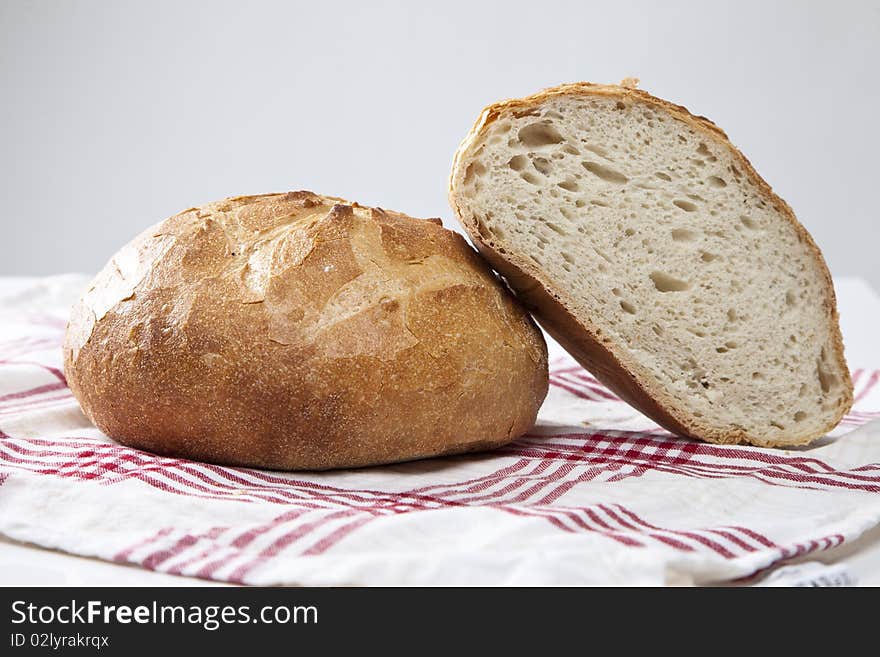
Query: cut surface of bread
x,y
649,247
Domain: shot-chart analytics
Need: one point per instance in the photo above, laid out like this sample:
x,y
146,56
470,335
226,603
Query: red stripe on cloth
x,y
49,387
142,462
477,484
560,473
577,514
285,542
246,538
516,483
334,537
688,451
588,475
872,381
755,536
123,554
155,559
856,375
796,550
583,387
576,391
553,520
54,371
14,348
733,538
703,540
32,405
591,384
671,541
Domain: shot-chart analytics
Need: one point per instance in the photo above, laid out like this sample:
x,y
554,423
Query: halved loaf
x,y
649,247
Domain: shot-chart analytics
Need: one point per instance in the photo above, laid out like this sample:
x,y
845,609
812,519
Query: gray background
x,y
115,115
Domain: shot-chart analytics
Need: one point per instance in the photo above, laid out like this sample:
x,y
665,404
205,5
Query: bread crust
x,y
297,331
584,340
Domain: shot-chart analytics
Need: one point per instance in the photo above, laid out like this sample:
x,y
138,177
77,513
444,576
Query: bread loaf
x,y
297,331
646,244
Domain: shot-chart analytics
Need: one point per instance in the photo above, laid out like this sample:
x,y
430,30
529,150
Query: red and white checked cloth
x,y
595,494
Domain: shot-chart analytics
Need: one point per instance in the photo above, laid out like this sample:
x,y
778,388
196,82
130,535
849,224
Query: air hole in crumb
x,y
715,181
598,150
790,298
474,170
705,256
536,135
565,213
571,150
556,228
731,315
628,307
731,344
619,105
749,223
657,330
567,257
687,206
666,283
529,177
542,164
777,425
663,176
601,204
616,291
580,203
826,379
757,376
602,254
703,150
629,232
802,392
605,173
569,185
800,416
683,235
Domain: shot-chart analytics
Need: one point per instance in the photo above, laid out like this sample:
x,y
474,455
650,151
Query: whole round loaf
x,y
297,331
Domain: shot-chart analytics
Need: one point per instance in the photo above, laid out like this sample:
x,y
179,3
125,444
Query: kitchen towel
x,y
595,494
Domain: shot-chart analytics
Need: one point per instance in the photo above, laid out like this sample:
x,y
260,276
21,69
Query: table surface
x,y
27,565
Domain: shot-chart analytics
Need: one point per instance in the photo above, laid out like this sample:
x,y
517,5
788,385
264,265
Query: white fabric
x,y
597,494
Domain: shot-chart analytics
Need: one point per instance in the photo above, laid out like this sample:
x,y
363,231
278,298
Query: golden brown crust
x,y
583,340
296,331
